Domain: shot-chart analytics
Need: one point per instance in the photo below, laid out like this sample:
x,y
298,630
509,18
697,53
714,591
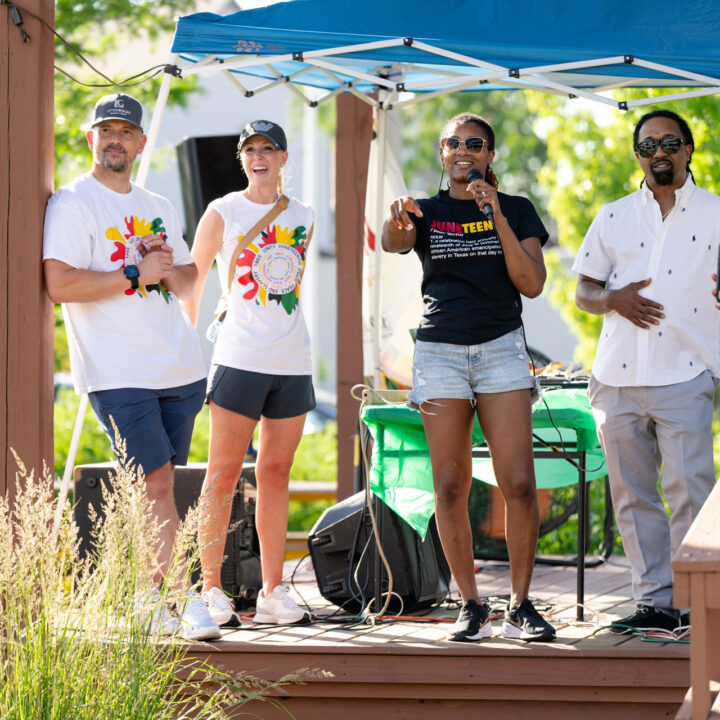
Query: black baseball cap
x,y
118,107
274,133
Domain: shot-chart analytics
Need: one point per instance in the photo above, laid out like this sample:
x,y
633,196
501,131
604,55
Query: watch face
x,y
131,271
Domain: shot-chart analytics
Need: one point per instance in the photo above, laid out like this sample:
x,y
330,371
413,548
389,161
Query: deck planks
x,y
405,669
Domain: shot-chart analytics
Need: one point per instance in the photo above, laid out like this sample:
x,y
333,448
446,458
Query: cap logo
x,y
262,126
119,103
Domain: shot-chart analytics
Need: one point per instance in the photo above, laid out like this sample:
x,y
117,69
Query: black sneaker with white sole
x,y
646,618
524,622
473,623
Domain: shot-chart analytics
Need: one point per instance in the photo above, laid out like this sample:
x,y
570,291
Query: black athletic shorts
x,y
254,394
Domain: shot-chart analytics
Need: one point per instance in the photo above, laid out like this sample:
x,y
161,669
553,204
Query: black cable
x,y
354,597
121,83
550,417
564,449
16,18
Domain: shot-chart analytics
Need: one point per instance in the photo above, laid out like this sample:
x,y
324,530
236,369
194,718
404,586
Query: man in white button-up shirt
x,y
645,265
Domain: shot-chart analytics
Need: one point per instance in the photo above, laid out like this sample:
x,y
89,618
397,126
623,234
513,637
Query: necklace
x,y
667,213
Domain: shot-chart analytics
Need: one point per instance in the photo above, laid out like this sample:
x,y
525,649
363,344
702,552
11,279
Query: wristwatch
x,y
132,274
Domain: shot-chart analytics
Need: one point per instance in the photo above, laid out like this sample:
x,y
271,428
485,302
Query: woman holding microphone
x,y
480,250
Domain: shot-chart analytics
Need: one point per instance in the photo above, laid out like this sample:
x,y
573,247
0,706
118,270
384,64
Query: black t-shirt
x,y
467,292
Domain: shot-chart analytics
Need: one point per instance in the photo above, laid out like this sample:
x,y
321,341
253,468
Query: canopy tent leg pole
x,y
154,130
381,140
70,462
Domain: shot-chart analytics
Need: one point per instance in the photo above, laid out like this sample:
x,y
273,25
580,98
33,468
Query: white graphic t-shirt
x,y
264,330
140,338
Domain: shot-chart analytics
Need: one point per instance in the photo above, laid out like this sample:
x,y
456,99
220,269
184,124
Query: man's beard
x,y
116,163
665,177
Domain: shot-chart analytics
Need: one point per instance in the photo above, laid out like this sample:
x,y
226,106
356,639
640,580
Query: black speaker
x,y
209,169
342,547
240,574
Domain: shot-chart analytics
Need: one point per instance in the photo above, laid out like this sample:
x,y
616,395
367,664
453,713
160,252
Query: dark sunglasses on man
x,y
670,145
471,144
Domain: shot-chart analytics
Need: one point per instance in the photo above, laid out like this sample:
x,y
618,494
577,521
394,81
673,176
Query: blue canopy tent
x,y
577,49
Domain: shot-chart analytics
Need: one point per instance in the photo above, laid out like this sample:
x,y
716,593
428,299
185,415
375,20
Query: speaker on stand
x,y
343,552
209,169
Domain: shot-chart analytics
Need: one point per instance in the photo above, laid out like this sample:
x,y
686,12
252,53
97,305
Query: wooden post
x,y
354,133
26,181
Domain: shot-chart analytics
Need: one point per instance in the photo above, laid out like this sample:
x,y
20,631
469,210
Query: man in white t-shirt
x,y
114,256
645,265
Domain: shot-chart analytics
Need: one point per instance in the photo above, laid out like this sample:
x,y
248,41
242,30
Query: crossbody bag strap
x,y
250,235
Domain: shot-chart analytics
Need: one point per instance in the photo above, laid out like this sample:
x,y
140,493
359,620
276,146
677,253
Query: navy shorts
x,y
254,394
156,425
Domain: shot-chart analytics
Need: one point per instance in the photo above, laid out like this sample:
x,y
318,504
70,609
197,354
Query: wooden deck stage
x,y
406,670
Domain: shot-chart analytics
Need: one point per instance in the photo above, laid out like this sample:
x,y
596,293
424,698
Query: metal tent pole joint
x,y
408,41
173,70
297,56
629,59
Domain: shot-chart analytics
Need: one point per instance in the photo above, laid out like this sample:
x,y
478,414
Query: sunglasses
x,y
471,144
670,145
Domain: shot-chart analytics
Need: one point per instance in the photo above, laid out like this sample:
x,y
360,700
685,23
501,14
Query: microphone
x,y
472,176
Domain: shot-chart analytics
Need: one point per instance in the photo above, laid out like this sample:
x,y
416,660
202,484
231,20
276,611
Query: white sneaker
x,y
220,607
195,621
150,608
279,608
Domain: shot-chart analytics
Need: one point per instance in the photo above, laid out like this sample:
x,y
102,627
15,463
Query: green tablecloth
x,y
401,474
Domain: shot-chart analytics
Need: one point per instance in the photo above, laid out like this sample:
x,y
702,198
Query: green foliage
x,y
316,457
315,461
62,356
96,28
564,539
201,436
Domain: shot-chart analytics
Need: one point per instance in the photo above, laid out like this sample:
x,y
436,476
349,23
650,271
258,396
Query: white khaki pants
x,y
640,428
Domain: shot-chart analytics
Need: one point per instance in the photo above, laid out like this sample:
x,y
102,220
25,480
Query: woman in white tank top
x,y
261,369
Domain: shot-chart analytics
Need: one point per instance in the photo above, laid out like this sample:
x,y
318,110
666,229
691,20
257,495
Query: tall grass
x,y
73,646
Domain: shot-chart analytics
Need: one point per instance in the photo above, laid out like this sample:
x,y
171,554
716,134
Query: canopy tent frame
x,y
445,81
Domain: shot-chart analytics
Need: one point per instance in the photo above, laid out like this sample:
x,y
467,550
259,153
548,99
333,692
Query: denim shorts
x,y
156,425
445,370
255,394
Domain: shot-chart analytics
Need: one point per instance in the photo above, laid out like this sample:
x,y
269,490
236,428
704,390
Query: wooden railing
x,y
696,570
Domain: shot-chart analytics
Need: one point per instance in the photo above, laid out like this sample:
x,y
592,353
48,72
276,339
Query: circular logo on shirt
x,y
277,268
133,253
